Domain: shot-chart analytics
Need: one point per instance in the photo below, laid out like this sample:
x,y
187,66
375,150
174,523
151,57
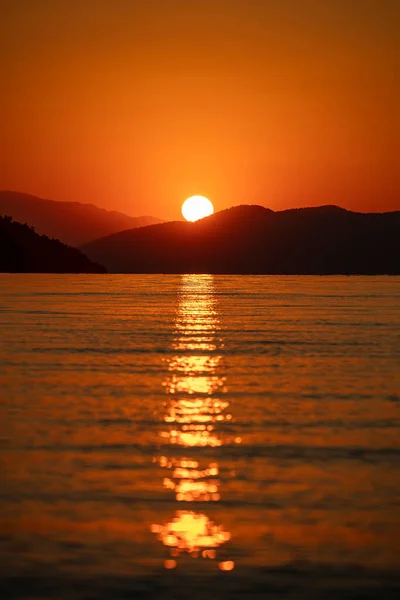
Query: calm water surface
x,y
217,436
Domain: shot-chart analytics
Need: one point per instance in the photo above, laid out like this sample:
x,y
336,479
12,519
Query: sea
x,y
199,436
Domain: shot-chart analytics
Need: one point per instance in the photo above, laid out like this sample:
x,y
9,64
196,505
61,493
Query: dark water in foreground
x,y
199,436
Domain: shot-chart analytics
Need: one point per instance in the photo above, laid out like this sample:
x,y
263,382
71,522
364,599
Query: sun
x,y
197,207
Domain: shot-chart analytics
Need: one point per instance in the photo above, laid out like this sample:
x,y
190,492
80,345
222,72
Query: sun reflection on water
x,y
195,411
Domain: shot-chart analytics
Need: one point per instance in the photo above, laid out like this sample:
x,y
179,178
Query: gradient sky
x,y
135,105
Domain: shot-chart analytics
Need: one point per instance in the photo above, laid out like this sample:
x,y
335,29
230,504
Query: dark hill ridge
x,y
256,240
72,222
22,250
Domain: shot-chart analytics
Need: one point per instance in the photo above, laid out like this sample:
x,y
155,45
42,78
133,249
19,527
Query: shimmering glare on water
x,y
194,410
196,428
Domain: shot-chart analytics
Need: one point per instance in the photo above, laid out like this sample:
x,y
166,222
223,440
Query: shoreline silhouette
x,y
246,239
22,250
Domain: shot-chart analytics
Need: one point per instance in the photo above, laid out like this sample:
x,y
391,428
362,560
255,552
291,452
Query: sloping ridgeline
x,y
256,240
22,250
72,222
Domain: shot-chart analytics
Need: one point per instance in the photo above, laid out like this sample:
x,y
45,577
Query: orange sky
x,y
135,105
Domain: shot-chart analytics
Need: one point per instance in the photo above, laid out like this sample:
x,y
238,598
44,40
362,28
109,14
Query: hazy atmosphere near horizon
x,y
200,300
134,105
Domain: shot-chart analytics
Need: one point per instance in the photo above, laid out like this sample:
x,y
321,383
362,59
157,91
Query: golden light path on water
x,y
194,412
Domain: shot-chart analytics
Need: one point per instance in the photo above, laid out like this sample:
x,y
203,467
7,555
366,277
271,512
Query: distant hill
x,y
22,250
253,239
71,222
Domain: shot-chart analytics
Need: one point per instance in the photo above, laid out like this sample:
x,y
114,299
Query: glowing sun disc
x,y
197,207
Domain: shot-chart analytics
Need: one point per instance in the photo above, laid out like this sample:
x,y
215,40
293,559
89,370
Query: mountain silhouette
x,y
22,250
72,222
257,240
